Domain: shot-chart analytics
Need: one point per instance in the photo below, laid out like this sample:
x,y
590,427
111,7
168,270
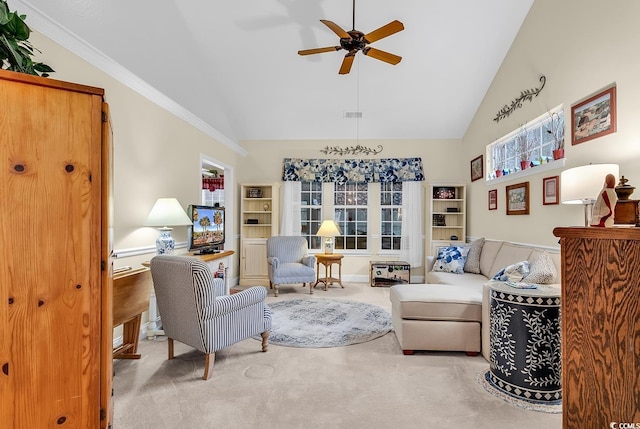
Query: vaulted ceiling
x,y
234,64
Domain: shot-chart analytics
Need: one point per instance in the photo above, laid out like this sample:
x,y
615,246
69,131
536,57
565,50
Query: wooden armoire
x,y
56,277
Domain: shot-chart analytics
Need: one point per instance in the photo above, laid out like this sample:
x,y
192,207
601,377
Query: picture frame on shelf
x,y
594,117
551,190
477,168
493,199
518,199
444,193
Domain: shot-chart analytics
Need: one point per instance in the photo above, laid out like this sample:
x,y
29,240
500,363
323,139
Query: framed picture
x,y
594,117
518,199
477,169
493,199
550,190
444,193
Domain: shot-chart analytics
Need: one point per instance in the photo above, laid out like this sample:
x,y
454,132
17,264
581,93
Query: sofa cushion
x,y
451,259
437,277
472,264
488,256
543,270
509,254
437,302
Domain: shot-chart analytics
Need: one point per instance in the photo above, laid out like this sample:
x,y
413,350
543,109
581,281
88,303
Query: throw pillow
x,y
543,270
451,259
513,273
472,265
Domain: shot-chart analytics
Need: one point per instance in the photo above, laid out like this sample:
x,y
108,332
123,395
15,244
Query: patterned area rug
x,y
554,407
319,322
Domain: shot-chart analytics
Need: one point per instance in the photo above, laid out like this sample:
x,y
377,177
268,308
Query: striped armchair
x,y
288,262
196,311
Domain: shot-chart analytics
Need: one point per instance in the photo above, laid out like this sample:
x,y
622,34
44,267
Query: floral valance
x,y
353,170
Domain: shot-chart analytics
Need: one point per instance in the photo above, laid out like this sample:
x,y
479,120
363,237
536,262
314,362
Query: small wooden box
x,y
389,273
626,212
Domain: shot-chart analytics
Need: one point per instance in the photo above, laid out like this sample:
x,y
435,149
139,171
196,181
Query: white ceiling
x,y
234,64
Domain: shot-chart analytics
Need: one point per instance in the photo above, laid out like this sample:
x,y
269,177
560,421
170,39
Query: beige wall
x,y
581,47
156,154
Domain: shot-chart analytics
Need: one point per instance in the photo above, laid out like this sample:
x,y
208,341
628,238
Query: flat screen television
x,y
207,230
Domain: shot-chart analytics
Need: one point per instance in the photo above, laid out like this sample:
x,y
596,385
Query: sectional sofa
x,y
450,312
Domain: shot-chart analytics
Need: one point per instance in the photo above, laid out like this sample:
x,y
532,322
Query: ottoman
x,y
437,317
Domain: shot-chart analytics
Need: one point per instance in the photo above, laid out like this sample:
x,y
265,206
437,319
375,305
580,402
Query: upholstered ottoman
x,y
437,317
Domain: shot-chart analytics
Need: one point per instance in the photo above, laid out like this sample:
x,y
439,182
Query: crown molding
x,y
71,41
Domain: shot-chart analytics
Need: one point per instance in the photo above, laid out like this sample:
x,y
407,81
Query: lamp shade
x,y
329,228
167,212
581,185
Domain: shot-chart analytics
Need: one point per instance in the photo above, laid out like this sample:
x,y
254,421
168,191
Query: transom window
x,y
350,211
311,213
390,215
532,143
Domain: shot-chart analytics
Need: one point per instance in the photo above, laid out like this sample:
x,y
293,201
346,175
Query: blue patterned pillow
x,y
451,259
513,273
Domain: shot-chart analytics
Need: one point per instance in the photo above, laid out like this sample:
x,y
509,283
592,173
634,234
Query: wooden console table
x,y
328,259
131,291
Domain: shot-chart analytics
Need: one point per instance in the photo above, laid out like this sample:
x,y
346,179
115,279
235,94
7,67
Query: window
x,y
534,143
390,215
311,212
350,209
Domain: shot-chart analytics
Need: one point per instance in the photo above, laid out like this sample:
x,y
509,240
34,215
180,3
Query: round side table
x,y
328,259
525,357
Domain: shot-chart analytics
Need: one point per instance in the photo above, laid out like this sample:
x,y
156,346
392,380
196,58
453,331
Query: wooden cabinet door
x,y
51,251
254,259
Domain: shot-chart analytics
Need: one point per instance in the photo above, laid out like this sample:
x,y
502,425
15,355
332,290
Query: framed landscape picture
x,y
550,190
518,199
493,199
477,169
594,117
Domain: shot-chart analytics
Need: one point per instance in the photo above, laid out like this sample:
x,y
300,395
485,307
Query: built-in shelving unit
x,y
447,214
259,221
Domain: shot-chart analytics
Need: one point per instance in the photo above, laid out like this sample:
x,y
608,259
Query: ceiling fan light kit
x,y
355,41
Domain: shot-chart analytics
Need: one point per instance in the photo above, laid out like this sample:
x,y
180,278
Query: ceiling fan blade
x,y
336,29
381,55
345,68
319,50
384,31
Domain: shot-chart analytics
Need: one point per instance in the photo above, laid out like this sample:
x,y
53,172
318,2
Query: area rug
x,y
320,322
552,407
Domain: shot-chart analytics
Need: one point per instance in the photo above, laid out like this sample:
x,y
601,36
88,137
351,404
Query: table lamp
x,y
328,230
166,212
581,185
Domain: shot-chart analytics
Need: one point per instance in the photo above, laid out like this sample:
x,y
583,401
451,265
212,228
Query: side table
x,y
328,259
525,357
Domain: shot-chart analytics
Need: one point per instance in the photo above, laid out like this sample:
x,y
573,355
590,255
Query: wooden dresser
x,y
600,326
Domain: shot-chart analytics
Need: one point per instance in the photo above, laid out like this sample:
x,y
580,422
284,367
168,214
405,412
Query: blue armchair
x,y
288,262
196,311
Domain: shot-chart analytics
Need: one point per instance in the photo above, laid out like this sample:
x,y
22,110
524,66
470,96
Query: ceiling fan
x,y
354,41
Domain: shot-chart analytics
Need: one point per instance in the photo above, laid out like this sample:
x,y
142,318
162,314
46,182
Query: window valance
x,y
353,170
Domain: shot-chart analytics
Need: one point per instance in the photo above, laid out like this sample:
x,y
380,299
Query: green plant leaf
x,y
4,13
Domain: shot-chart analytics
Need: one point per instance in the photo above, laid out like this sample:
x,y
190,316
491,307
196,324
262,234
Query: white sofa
x,y
450,312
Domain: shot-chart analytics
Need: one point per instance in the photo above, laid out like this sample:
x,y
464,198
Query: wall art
x,y
518,199
477,168
594,117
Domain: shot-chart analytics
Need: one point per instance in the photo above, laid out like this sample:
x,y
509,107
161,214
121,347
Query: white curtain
x,y
411,243
290,220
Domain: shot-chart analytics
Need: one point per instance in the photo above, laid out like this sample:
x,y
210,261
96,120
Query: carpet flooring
x,y
369,385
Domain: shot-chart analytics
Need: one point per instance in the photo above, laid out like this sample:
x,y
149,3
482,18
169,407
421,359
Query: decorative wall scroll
x,y
526,95
351,150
